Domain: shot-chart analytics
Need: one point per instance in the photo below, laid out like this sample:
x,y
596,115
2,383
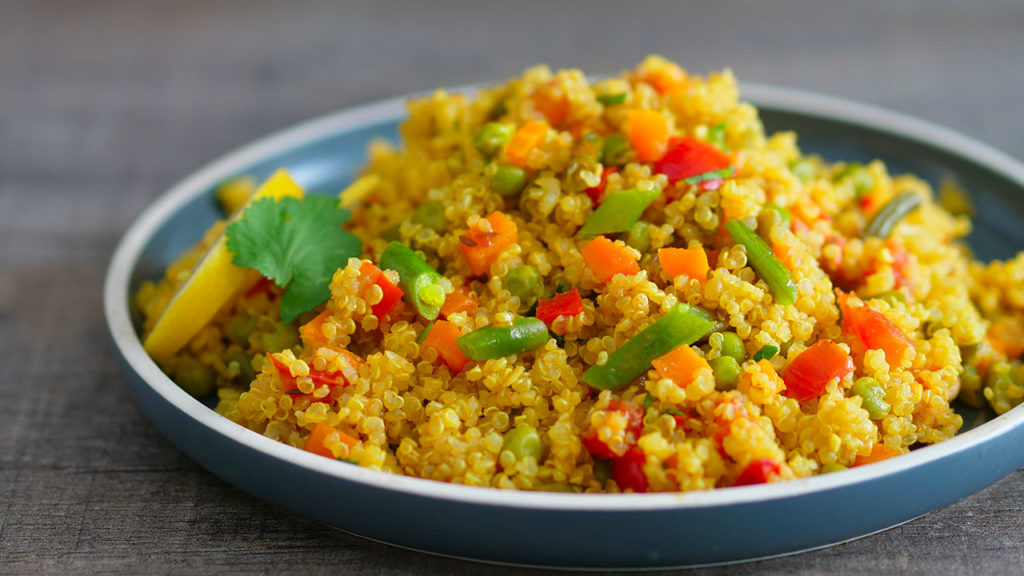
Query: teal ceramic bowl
x,y
576,530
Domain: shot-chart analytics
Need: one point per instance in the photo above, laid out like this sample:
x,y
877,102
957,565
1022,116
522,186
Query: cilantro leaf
x,y
297,244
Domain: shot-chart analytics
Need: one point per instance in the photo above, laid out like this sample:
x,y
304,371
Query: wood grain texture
x,y
103,105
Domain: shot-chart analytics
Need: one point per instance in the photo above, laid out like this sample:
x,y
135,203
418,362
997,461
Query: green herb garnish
x,y
297,244
767,352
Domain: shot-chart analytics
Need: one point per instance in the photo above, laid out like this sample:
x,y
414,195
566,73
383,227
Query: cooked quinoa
x,y
838,335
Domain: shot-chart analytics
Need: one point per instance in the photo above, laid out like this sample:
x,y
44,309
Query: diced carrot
x,y
607,258
481,247
1006,335
666,79
692,262
315,440
648,133
554,106
524,141
680,365
874,329
312,331
462,299
442,337
878,453
785,254
809,373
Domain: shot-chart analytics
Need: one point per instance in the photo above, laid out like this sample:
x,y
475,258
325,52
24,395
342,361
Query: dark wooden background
x,y
103,105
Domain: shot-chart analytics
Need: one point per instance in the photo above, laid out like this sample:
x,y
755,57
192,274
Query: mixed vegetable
x,y
289,246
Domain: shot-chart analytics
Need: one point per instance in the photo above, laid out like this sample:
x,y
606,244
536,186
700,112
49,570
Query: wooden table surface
x,y
103,105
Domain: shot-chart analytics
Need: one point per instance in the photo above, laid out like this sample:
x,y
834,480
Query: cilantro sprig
x,y
296,243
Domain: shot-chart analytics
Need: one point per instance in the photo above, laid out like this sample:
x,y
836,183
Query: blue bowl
x,y
576,530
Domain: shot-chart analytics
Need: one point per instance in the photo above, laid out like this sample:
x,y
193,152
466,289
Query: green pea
x,y
862,180
430,215
283,336
523,441
1004,388
492,138
240,327
525,283
830,468
244,361
508,180
602,470
615,148
732,346
802,169
639,236
873,397
727,372
195,377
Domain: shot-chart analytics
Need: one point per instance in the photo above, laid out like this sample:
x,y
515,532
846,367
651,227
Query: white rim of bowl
x,y
116,299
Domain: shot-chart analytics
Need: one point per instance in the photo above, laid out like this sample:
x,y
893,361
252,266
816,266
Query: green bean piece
x,y
195,377
872,397
244,361
525,283
492,138
619,212
764,262
423,335
648,400
508,180
767,352
719,174
240,327
680,325
284,336
430,214
612,99
420,282
522,335
523,441
639,236
732,346
833,467
784,215
727,372
615,148
716,136
882,225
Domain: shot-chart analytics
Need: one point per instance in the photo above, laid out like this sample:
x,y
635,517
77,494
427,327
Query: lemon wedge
x,y
212,284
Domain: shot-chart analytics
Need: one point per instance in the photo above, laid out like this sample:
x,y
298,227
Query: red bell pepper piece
x,y
875,330
809,373
594,192
634,427
392,293
688,157
759,471
628,471
565,304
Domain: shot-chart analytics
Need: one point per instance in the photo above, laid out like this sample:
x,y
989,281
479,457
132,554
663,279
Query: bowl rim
x,y
116,300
